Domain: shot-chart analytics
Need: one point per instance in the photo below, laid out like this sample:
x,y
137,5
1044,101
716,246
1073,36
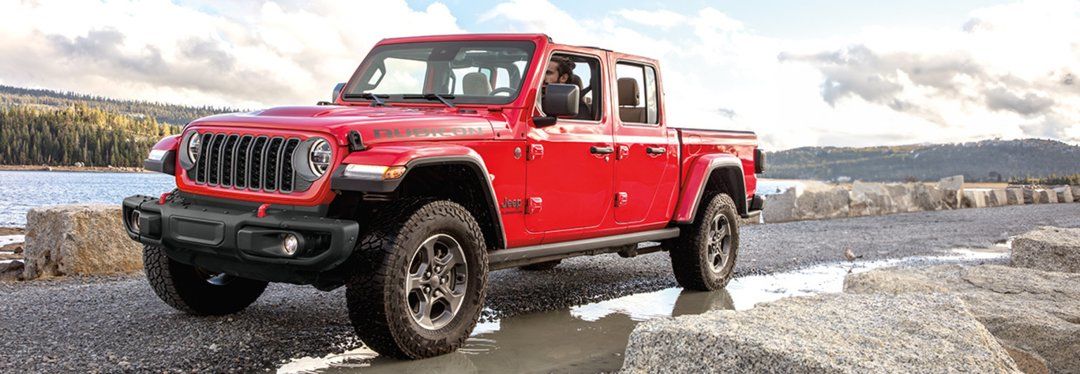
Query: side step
x,y
513,257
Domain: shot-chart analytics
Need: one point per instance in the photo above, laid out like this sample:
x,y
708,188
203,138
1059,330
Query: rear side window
x,y
638,96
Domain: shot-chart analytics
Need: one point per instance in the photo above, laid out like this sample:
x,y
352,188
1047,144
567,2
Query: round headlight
x,y
319,157
194,146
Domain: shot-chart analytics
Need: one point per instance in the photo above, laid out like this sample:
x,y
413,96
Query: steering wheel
x,y
507,90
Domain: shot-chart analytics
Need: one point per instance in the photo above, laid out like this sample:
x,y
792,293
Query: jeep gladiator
x,y
441,159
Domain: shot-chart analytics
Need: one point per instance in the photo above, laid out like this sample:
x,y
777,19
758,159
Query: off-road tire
x,y
689,257
186,288
541,266
376,295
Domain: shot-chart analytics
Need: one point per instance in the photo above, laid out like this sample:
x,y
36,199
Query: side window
x,y
586,75
638,98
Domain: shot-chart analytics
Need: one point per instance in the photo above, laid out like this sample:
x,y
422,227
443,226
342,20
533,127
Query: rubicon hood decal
x,y
430,132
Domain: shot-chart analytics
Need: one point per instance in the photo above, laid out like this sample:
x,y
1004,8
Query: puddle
x,y
593,337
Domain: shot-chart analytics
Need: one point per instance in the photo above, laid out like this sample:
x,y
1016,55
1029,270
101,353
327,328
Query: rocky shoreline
x,y
982,318
69,168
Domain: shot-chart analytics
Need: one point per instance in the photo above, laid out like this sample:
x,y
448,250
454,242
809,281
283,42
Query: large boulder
x,y
952,191
997,197
1064,194
1033,313
1048,196
903,197
975,198
1032,196
870,199
1049,249
927,197
1075,193
78,240
1014,196
780,207
832,202
829,333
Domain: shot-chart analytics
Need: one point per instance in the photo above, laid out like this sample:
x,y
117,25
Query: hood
x,y
375,124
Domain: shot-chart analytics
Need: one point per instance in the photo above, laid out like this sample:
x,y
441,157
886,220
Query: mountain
x,y
44,127
987,160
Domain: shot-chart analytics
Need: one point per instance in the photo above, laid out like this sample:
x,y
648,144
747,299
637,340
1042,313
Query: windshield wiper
x,y
443,98
376,100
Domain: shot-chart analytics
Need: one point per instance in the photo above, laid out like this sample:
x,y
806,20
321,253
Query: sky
x,y
833,73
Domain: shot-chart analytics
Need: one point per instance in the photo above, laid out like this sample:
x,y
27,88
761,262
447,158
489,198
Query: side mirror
x,y
561,100
337,91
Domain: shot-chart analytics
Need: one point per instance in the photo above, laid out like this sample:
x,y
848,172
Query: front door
x,y
569,165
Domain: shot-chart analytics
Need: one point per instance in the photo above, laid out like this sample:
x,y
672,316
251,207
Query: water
x,y
593,337
22,190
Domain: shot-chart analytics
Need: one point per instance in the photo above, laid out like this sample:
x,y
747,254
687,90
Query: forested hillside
x,y
43,127
988,160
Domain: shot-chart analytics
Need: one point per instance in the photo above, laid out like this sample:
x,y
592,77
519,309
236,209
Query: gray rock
x,y
903,197
832,202
830,333
1032,196
1048,196
1075,193
1014,196
1034,314
870,199
780,207
78,239
1049,249
927,197
955,183
1064,194
952,191
975,199
10,271
997,197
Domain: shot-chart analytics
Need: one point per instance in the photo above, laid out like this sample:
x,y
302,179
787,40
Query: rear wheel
x,y
704,254
194,290
421,282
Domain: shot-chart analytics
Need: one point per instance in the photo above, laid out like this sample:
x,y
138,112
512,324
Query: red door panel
x,y
571,183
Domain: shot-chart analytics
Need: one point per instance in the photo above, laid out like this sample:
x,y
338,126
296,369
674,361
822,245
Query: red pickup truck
x,y
441,159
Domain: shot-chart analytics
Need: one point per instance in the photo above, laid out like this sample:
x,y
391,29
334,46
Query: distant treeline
x,y
986,161
1052,180
76,134
160,112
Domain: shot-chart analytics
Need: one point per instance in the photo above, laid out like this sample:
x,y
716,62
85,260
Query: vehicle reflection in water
x,y
593,337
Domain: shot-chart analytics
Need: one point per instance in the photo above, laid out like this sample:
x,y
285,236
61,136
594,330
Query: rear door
x,y
646,166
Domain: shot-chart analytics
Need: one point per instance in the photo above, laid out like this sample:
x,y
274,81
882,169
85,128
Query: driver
x,y
561,70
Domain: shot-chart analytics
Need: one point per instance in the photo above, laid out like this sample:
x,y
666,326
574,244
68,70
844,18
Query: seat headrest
x,y
628,92
475,84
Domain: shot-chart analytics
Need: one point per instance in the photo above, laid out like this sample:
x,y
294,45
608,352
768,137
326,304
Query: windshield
x,y
462,72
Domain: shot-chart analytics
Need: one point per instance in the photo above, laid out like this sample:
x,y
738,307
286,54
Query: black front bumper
x,y
228,236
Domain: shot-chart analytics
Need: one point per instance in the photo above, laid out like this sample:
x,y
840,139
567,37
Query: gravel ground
x,y
109,324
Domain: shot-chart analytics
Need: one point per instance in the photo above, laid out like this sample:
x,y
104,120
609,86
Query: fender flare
x,y
414,157
698,178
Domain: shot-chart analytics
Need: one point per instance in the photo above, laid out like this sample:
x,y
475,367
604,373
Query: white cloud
x,y
662,18
247,55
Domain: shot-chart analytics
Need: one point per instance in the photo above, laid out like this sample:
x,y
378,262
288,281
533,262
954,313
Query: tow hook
x,y
262,210
164,197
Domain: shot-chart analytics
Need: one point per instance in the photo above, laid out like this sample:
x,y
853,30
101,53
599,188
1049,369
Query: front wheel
x,y
704,254
194,290
421,282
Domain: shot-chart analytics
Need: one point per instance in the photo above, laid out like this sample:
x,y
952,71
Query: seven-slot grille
x,y
246,162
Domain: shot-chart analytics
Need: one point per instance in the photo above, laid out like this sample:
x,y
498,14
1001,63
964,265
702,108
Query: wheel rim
x,y
436,282
719,243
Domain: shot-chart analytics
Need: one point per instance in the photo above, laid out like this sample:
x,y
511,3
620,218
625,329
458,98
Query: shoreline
x,y
83,169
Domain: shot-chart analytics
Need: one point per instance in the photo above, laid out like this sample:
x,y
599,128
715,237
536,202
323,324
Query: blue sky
x,y
845,73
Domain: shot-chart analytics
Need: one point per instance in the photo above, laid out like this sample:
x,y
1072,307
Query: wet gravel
x,y
116,324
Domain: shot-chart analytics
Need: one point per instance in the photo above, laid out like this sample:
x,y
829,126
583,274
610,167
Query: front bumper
x,y
229,236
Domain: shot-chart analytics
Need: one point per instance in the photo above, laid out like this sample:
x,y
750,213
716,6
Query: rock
x,y
1014,196
1048,196
1075,193
1032,196
974,199
870,199
831,202
1064,194
78,239
1033,313
10,271
997,197
952,191
16,248
903,197
780,207
1048,249
825,333
927,197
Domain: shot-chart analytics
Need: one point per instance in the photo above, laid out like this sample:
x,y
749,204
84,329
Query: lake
x,y
22,190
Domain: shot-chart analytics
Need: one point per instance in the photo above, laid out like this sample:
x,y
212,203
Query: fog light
x,y
290,245
135,221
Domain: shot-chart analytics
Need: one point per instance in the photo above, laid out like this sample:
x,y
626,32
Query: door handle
x,y
655,150
601,150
